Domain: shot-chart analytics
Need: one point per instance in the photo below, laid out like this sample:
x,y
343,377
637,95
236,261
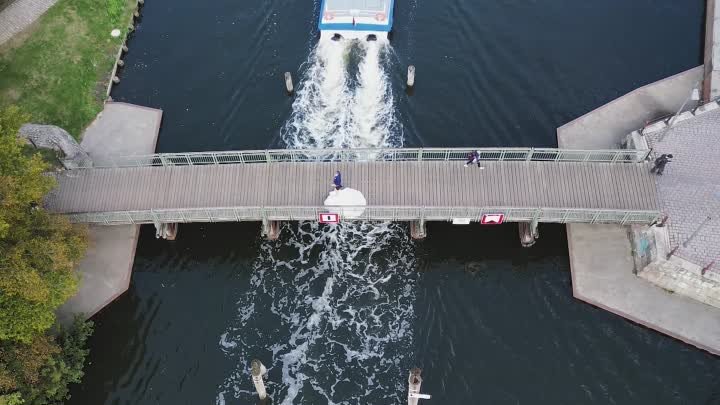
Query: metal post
x,y
414,382
706,268
671,121
411,76
625,218
699,228
289,83
258,371
530,154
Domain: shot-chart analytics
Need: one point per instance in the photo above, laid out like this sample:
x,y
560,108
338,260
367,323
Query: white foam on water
x,y
332,319
334,110
330,308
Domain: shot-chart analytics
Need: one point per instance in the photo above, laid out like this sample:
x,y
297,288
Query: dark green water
x,y
339,315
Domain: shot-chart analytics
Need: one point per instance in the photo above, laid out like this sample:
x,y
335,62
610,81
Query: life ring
x,y
328,15
380,16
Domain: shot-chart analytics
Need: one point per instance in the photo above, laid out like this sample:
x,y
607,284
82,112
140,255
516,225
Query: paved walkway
x,y
600,255
689,190
106,268
19,15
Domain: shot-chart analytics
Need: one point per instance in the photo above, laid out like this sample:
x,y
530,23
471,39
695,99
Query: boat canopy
x,y
356,7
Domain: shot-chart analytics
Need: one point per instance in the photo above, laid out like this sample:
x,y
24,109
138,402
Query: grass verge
x,y
57,70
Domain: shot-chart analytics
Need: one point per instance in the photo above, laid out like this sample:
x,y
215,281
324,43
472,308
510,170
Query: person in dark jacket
x,y
660,163
473,157
337,181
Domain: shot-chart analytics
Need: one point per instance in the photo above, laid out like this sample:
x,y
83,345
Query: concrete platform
x,y
601,263
607,126
601,256
120,129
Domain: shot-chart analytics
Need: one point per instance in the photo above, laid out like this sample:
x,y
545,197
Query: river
x,y
339,315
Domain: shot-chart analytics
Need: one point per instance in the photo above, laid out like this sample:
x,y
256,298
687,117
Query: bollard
x,y
411,76
116,79
289,83
121,63
258,370
414,382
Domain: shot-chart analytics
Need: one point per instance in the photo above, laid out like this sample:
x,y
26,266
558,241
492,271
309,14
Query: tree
x,y
39,373
38,251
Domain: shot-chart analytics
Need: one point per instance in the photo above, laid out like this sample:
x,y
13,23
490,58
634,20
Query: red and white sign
x,y
329,219
492,219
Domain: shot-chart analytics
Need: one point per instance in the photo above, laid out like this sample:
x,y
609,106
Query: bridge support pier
x,y
271,229
418,230
166,231
528,233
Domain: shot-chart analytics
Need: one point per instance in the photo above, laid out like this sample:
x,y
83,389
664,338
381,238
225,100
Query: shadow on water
x,y
499,321
158,343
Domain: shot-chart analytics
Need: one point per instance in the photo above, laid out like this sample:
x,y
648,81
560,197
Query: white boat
x,y
356,19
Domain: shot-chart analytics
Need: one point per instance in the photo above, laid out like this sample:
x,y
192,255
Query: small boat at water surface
x,y
356,19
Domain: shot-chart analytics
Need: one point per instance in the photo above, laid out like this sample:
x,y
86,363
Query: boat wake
x,y
330,316
331,309
345,99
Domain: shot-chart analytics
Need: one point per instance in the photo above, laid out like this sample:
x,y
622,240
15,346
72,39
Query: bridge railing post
x,y
625,218
530,154
267,156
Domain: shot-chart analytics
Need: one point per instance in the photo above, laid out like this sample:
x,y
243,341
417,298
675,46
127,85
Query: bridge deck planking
x,y
430,184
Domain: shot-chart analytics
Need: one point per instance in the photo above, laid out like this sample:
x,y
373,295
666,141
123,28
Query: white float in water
x,y
346,197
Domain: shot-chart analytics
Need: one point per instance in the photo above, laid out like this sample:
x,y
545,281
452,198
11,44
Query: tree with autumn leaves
x,y
38,254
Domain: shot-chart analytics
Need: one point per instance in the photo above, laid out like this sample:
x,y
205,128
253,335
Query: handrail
x,y
363,155
366,213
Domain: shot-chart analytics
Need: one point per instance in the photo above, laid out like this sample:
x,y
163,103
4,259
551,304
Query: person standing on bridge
x,y
337,181
660,163
473,157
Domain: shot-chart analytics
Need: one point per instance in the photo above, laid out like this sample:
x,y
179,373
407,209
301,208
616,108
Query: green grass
x,y
58,70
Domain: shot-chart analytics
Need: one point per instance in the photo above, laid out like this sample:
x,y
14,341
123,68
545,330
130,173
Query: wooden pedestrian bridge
x,y
527,185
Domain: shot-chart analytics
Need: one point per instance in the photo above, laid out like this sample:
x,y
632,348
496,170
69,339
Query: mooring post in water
x,y
411,76
414,382
289,83
258,371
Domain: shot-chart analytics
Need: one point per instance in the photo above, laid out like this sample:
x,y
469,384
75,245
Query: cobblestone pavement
x,y
689,190
19,15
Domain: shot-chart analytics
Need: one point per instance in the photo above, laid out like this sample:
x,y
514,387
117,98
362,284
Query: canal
x,y
339,315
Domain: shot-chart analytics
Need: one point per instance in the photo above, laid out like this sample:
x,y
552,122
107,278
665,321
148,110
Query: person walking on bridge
x,y
337,181
473,157
660,163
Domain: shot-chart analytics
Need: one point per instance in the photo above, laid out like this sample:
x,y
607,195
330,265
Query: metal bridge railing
x,y
363,155
366,213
